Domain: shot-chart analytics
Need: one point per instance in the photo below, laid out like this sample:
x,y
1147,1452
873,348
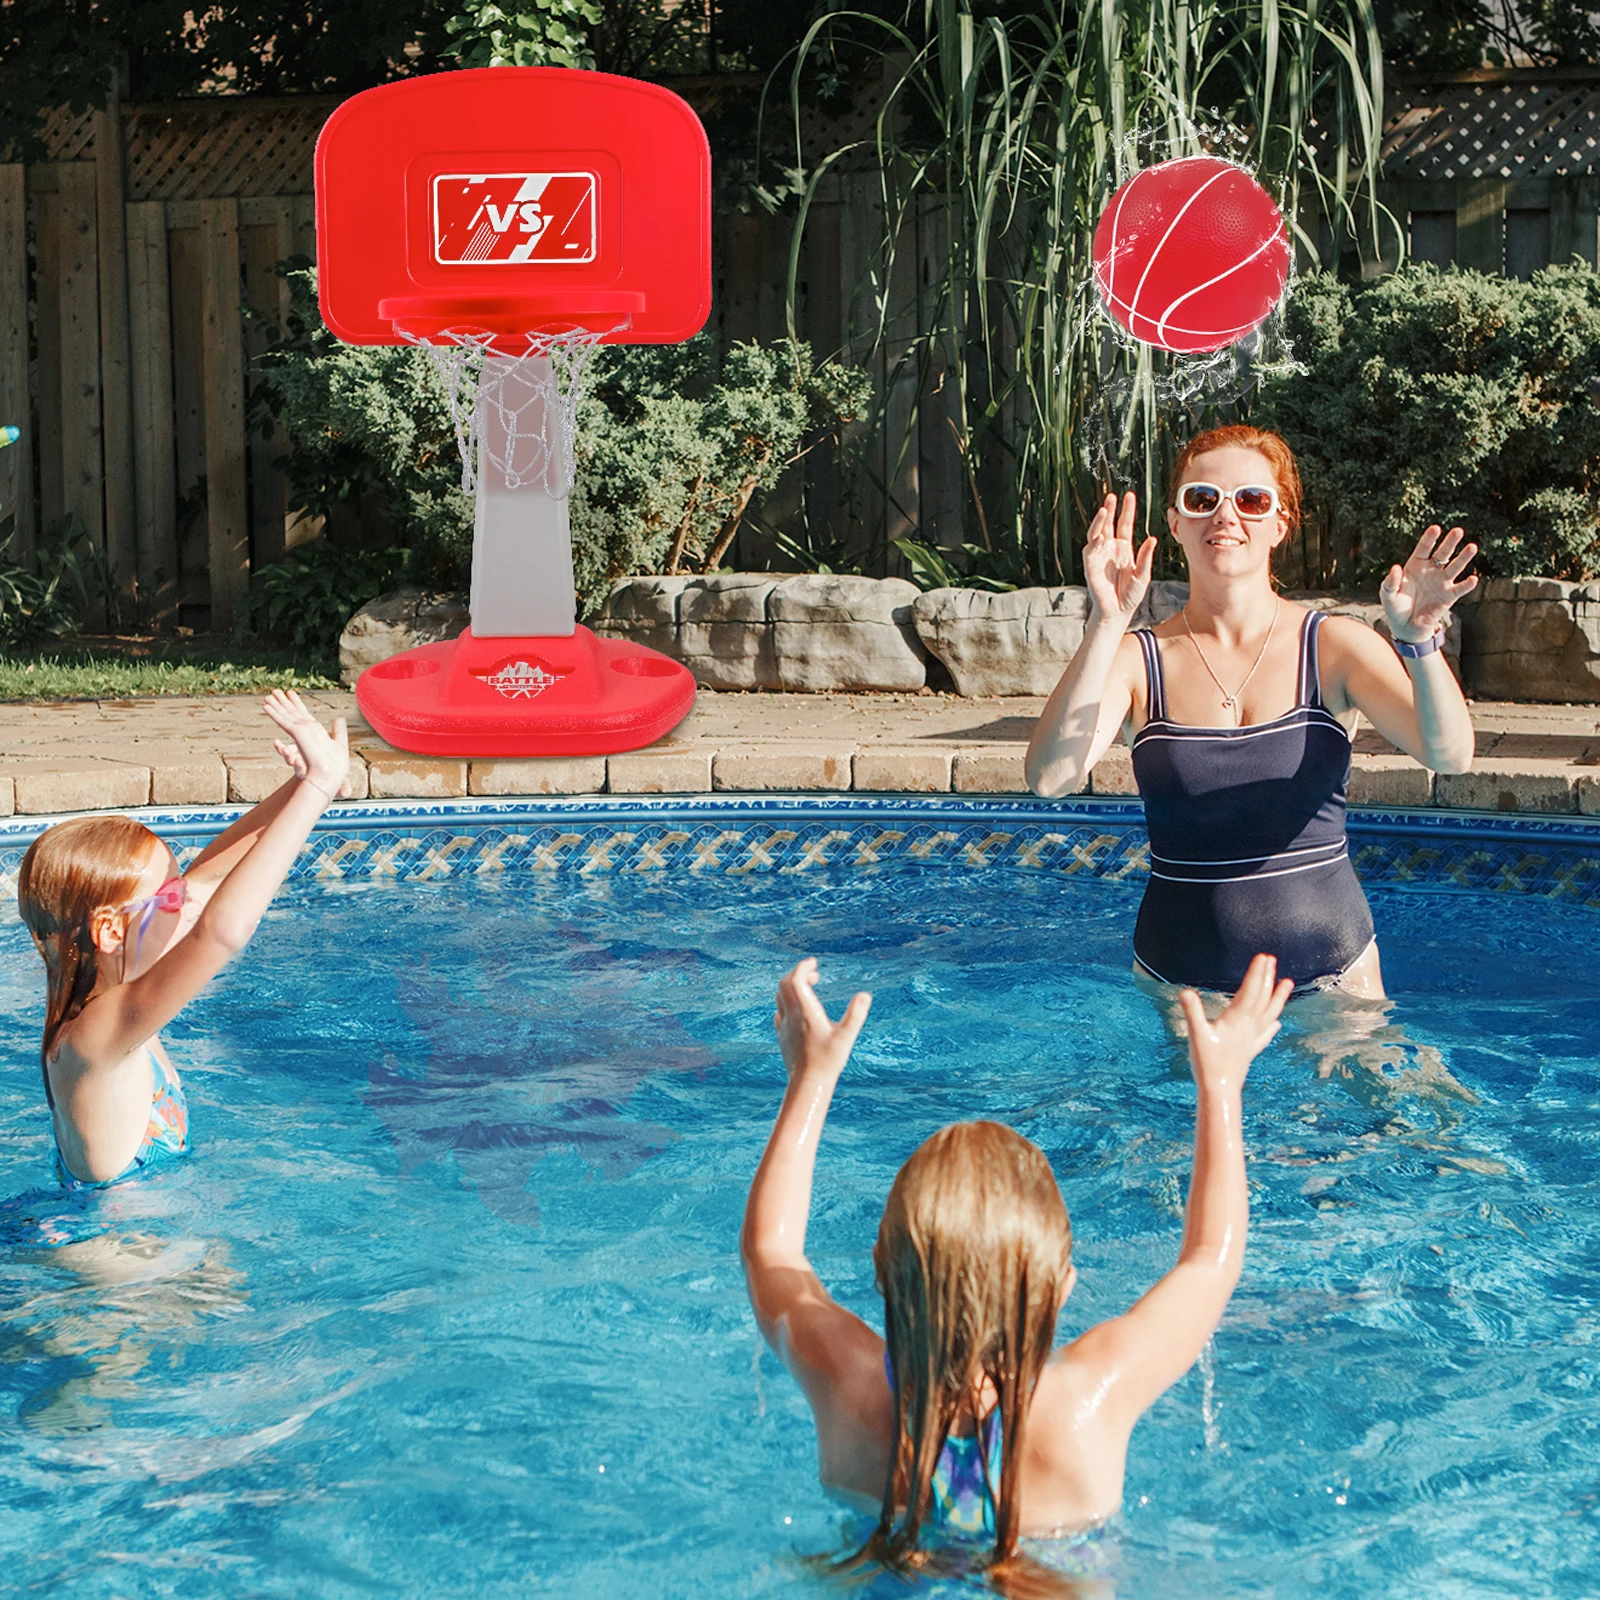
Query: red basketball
x,y
1191,255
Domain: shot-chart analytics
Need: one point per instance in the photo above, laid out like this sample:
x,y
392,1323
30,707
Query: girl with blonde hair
x,y
966,1420
128,940
1240,711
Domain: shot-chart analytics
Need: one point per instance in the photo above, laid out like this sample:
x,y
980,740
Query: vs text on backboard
x,y
510,218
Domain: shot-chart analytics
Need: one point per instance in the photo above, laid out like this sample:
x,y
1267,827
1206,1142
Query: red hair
x,y
69,872
1236,436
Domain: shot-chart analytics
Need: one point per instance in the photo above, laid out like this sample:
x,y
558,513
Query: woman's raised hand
x,y
322,758
1418,596
1117,577
809,1038
1221,1051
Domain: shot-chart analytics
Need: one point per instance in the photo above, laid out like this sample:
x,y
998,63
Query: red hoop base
x,y
601,311
577,696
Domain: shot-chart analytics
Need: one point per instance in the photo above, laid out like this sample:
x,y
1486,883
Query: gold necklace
x,y
1230,702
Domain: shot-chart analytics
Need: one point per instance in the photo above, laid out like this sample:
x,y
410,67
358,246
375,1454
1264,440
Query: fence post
x,y
115,392
824,327
227,505
150,372
268,238
941,516
16,464
1481,223
861,232
81,424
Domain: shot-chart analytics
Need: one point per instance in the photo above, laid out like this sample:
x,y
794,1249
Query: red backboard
x,y
513,192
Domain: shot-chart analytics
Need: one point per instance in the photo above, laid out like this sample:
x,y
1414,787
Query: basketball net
x,y
516,412
513,403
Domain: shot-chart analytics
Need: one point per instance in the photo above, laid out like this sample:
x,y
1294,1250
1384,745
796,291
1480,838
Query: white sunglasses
x,y
1252,501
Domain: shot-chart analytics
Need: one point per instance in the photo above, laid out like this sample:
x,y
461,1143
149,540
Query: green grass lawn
x,y
127,667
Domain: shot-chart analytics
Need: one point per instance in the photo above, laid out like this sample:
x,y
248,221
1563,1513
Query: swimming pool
x,y
448,1303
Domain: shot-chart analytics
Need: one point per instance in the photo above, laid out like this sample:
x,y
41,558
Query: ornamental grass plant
x,y
1001,134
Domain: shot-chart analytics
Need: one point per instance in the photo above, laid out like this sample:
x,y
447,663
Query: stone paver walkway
x,y
113,754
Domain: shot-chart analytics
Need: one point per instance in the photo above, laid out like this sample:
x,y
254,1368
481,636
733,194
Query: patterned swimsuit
x,y
966,1477
166,1134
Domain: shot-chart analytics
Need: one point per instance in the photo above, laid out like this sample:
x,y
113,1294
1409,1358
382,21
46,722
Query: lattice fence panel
x,y
66,135
201,149
69,135
1518,129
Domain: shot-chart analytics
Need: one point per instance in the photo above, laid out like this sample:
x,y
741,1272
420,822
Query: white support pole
x,y
521,538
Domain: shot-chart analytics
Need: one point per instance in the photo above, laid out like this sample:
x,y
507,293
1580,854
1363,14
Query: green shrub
x,y
370,432
672,449
976,568
49,598
672,445
309,596
1450,397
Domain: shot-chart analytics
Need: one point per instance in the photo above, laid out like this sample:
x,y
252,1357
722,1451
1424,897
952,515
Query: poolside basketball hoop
x,y
508,221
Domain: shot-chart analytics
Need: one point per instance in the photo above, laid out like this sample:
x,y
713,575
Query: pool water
x,y
448,1303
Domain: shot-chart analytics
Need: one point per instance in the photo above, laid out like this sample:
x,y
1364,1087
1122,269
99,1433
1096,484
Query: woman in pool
x,y
964,1421
128,941
1240,711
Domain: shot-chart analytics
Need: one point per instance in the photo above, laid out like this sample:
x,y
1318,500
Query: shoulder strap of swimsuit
x,y
1310,690
1155,692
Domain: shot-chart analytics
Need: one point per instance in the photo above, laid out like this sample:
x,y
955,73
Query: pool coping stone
x,y
59,757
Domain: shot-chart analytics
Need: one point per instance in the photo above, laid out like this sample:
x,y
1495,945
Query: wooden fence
x,y
1497,170
131,258
127,262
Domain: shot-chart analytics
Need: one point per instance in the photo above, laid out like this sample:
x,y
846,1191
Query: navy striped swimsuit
x,y
1247,840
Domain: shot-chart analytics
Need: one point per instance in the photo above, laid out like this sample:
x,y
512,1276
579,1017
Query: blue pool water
x,y
447,1302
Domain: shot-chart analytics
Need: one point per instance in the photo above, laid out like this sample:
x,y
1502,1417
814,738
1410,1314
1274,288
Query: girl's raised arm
x,y
225,852
1145,1351
130,1013
810,1333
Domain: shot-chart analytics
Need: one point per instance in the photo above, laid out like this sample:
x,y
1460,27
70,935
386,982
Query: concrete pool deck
x,y
115,754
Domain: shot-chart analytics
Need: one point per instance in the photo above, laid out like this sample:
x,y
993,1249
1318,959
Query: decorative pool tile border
x,y
1558,857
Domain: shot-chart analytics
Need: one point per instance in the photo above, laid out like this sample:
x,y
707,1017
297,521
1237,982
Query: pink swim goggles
x,y
170,898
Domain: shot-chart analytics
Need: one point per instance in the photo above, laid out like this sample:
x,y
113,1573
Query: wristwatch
x,y
1426,648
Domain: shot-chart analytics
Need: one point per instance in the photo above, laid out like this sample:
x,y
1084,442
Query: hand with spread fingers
x,y
810,1040
1116,576
311,752
1222,1048
1418,596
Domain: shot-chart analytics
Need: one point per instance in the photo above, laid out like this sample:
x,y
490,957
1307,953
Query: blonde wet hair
x,y
973,1258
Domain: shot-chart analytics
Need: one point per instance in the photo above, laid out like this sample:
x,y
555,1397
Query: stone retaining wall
x,y
1524,639
1533,639
754,631
741,630
813,632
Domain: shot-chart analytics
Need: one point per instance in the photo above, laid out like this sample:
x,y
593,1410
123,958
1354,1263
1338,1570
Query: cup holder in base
x,y
404,667
646,667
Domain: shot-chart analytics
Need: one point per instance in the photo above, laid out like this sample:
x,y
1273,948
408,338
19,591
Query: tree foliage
x,y
1450,397
550,33
72,52
1426,36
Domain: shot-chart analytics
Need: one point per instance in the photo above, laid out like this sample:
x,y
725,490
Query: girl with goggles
x,y
128,939
1240,709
